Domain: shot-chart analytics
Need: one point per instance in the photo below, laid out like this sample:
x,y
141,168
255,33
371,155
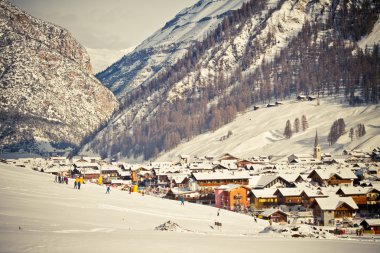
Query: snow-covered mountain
x,y
260,132
166,46
48,92
258,51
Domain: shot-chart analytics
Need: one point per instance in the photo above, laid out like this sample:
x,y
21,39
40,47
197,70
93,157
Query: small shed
x,y
276,215
371,225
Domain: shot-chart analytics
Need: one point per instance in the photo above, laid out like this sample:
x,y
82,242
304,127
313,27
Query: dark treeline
x,y
319,60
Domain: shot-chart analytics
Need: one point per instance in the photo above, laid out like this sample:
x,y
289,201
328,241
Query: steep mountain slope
x,y
265,51
260,132
48,92
166,46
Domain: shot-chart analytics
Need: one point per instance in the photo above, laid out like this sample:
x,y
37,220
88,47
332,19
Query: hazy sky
x,y
111,24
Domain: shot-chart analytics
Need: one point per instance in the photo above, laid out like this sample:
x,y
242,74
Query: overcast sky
x,y
111,24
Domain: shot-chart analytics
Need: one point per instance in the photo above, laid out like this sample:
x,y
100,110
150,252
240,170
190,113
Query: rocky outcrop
x,y
48,92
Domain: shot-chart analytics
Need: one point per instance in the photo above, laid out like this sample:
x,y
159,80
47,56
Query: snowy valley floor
x,y
38,215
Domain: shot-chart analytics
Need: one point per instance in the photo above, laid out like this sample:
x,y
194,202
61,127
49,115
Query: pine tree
x,y
296,125
305,124
351,133
288,130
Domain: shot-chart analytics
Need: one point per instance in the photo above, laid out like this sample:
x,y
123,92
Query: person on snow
x,y
78,185
108,189
182,200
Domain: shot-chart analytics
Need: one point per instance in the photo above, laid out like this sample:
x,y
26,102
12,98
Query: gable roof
x,y
327,173
333,202
288,192
270,212
221,175
264,193
352,190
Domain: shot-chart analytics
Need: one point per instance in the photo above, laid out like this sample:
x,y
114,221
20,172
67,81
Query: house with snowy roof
x,y
308,196
263,198
328,211
288,196
268,181
358,194
371,225
233,197
333,176
275,215
207,182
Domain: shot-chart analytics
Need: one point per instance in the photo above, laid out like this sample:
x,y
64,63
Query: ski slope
x,y
38,215
261,132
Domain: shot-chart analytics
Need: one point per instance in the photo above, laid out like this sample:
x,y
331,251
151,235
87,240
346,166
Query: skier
x,y
218,212
108,189
182,200
75,184
78,185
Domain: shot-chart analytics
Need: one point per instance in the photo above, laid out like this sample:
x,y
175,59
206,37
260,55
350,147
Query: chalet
x,y
373,197
269,181
333,176
189,195
229,157
233,197
308,196
256,107
83,166
263,198
274,215
109,172
178,180
327,211
358,194
225,166
288,196
302,159
208,181
371,225
279,103
201,167
311,98
90,174
271,105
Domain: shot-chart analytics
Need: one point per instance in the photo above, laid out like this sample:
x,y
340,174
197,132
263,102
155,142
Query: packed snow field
x,y
38,215
261,132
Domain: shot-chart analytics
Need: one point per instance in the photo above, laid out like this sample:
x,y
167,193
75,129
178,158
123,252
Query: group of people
x,y
61,179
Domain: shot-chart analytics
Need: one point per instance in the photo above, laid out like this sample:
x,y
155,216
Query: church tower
x,y
317,148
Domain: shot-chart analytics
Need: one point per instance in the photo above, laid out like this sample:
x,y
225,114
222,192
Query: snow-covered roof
x,y
264,193
221,175
332,202
372,222
352,190
269,212
85,164
262,181
287,192
344,173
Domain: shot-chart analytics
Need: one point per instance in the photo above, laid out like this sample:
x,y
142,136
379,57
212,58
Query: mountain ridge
x,y
49,94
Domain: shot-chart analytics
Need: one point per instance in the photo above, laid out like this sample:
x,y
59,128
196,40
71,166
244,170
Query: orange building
x,y
233,197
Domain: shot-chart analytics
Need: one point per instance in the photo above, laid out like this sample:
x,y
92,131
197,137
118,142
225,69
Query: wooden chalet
x,y
327,211
208,181
333,177
308,196
233,197
263,198
371,225
358,194
269,181
288,196
274,215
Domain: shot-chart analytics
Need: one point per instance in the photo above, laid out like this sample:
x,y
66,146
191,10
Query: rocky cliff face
x,y
48,92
